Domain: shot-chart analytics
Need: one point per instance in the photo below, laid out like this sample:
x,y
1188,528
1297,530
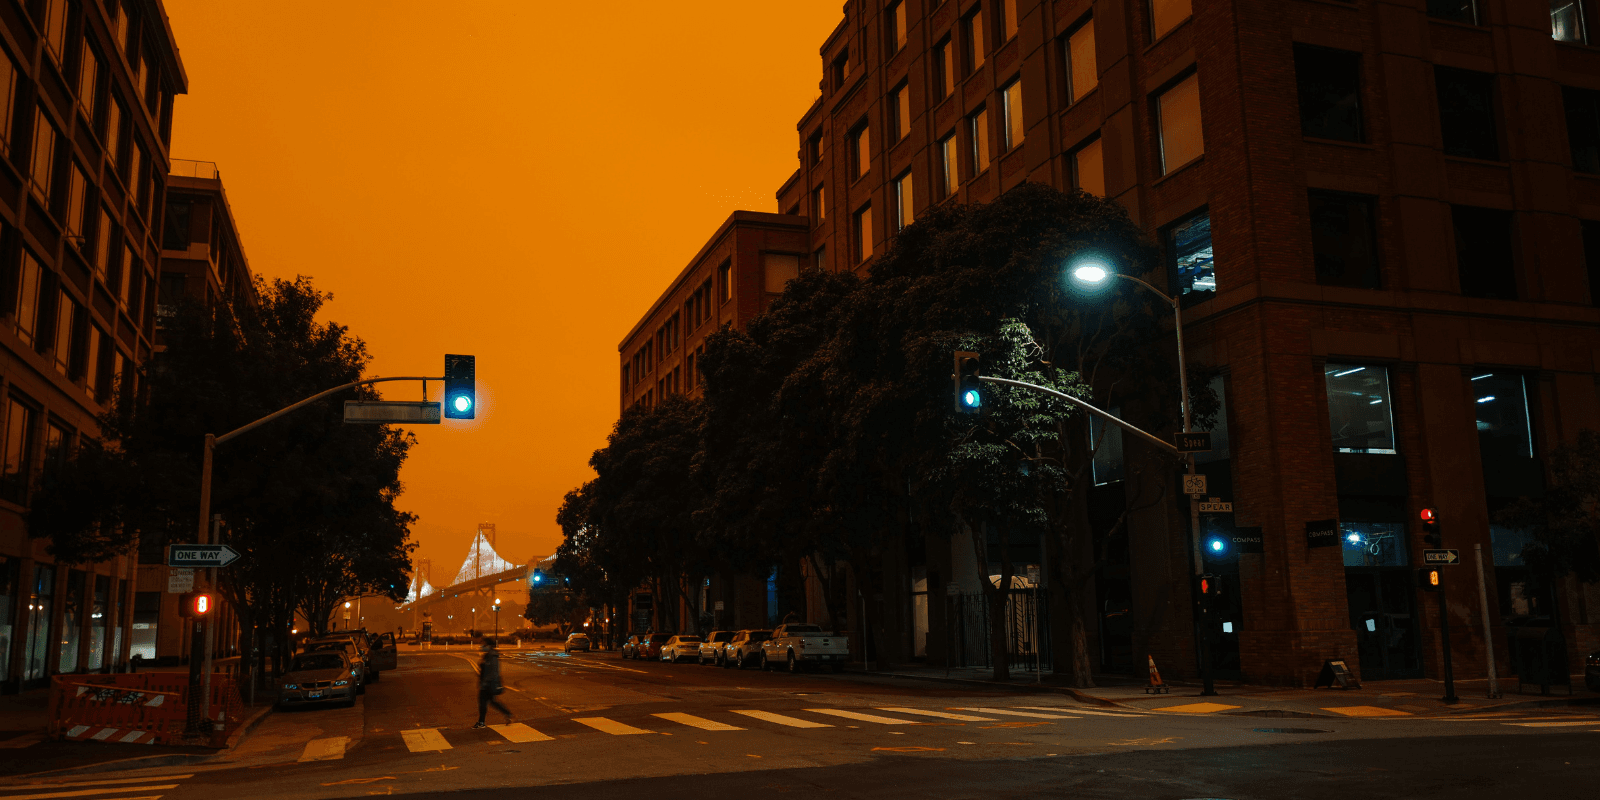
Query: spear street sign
x,y
1194,442
200,555
394,411
1441,556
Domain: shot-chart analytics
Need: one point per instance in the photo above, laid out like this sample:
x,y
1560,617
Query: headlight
x,y
341,683
291,686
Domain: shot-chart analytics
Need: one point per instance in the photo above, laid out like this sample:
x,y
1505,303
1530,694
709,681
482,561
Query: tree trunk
x,y
999,656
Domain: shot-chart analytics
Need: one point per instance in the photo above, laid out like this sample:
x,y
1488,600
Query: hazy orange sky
x,y
514,180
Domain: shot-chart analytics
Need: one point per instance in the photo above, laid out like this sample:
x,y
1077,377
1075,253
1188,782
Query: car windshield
x,y
311,661
578,637
724,636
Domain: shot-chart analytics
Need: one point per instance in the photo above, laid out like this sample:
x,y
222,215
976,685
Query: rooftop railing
x,y
184,168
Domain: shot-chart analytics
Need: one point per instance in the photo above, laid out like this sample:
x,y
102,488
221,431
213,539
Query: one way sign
x,y
200,555
1441,556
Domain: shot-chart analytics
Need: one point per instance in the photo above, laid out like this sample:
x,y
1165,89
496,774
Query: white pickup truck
x,y
798,645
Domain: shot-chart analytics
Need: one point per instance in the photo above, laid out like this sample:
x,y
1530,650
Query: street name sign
x,y
1194,484
1441,556
180,580
1194,442
200,555
392,411
1216,506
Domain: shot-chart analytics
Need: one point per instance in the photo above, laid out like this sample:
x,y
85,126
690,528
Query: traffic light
x,y
1428,579
968,389
1210,591
460,387
1216,546
194,605
1430,528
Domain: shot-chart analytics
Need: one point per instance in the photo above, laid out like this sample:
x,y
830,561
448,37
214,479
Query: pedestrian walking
x,y
489,683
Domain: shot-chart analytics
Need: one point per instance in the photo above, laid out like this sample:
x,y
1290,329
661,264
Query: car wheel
x,y
765,666
794,666
741,661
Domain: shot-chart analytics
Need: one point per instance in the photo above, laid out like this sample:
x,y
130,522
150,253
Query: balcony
x,y
184,168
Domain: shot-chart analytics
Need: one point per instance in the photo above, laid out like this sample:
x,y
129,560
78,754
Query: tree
x,y
552,607
1564,524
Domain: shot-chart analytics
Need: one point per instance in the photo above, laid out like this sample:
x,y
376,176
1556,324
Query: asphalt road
x,y
596,726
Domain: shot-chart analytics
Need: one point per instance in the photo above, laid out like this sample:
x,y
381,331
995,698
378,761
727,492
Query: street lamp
x,y
497,619
1093,272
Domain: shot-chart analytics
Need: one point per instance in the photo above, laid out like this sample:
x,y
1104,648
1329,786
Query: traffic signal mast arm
x,y
312,399
1108,417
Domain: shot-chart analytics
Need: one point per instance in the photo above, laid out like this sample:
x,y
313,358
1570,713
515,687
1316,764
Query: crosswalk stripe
x,y
698,722
85,792
940,714
610,726
779,719
837,712
151,779
1010,713
422,740
519,733
1087,711
1551,724
329,749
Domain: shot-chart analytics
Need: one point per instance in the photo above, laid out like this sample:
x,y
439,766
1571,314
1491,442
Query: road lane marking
x,y
1086,711
1368,711
837,712
1550,724
329,749
610,726
85,792
767,716
940,714
519,733
150,779
1198,708
697,722
422,740
1006,712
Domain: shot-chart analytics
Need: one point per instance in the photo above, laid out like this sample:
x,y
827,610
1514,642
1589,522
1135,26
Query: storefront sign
x,y
1322,533
1248,540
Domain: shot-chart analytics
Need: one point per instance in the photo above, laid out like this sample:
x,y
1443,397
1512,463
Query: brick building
x,y
1383,220
86,95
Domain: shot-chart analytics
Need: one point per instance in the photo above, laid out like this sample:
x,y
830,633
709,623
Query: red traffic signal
x,y
1429,516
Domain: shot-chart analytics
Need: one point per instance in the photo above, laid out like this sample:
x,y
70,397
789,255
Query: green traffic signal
x,y
968,389
460,387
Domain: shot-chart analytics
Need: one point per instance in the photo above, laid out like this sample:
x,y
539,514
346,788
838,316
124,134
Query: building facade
x,y
86,97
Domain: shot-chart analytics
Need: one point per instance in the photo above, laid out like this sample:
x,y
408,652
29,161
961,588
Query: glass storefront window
x,y
35,659
1505,428
71,622
1358,408
1219,429
1374,544
146,621
97,622
8,611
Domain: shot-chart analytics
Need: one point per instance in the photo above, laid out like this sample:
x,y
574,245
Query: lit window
x,y
1505,426
113,131
1358,408
8,95
903,202
978,131
818,206
862,233
44,156
1088,169
1166,14
1566,21
91,371
102,242
88,81
28,298
77,198
944,67
1374,544
66,325
1178,116
897,22
1008,18
860,153
1188,245
55,29
1011,115
950,179
1083,72
972,39
902,112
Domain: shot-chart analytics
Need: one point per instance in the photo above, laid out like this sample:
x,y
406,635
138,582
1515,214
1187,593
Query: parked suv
x,y
744,647
711,648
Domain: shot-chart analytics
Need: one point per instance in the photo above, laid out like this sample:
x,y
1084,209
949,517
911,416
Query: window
x,y
900,113
1105,442
904,211
114,131
88,81
1591,258
77,203
860,155
1219,429
1189,259
725,277
1330,92
978,134
944,68
1466,113
1008,19
949,178
896,18
1178,118
1358,408
972,44
819,259
1165,15
93,383
127,276
841,69
780,268
1344,241
1011,123
1566,21
1454,10
1373,544
44,156
8,96
819,207
55,29
625,375
175,228
68,314
119,24
1088,169
28,286
861,233
1485,257
1505,426
1083,72
816,147
102,242
18,466
1583,127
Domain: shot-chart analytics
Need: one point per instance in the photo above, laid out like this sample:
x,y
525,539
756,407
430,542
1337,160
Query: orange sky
x,y
517,180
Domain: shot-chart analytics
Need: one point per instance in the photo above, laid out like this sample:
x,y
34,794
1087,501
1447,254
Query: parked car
x,y
743,648
651,647
798,645
363,646
1591,671
680,647
630,646
383,653
577,641
342,644
711,648
322,676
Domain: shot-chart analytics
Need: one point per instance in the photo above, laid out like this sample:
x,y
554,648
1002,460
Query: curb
x,y
165,760
249,725
1076,694
1553,702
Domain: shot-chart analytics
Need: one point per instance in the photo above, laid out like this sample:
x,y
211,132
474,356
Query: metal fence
x,y
1027,621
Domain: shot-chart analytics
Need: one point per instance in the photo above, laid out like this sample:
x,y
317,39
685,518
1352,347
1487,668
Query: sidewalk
x,y
1396,698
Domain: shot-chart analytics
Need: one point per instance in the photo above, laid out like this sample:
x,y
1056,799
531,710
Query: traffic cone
x,y
1156,686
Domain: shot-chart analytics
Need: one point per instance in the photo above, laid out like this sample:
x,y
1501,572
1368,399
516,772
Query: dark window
x,y
841,69
1466,113
1454,10
1583,127
1344,242
1591,258
175,233
816,147
944,68
1189,260
1484,253
1330,92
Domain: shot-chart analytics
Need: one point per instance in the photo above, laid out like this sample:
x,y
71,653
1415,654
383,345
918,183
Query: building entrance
x,y
1384,616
